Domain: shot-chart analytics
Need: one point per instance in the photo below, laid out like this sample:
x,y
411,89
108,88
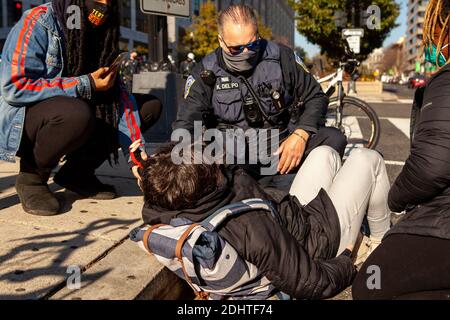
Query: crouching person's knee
x,y
77,116
363,155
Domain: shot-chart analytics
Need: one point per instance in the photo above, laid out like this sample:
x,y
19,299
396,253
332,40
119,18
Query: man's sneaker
x,y
35,196
87,186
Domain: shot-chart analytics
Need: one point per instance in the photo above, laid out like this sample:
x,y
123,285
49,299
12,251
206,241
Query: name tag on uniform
x,y
227,86
225,83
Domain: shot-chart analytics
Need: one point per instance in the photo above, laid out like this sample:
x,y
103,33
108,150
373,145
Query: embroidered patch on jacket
x,y
301,63
189,82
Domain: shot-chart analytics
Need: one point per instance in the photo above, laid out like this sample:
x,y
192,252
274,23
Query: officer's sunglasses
x,y
235,50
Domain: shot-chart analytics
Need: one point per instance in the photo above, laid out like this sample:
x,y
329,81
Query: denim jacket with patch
x,y
31,71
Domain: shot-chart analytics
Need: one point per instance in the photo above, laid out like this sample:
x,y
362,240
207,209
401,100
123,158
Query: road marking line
x,y
401,124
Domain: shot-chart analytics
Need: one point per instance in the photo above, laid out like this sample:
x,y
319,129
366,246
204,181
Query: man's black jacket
x,y
298,257
422,188
298,82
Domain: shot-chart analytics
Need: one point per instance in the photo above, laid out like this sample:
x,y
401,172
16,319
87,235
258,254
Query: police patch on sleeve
x,y
189,82
301,63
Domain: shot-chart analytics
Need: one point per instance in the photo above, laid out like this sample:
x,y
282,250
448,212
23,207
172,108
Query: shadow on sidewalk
x,y
60,246
125,188
7,182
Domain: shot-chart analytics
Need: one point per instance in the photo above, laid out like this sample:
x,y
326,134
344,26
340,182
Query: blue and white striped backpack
x,y
197,253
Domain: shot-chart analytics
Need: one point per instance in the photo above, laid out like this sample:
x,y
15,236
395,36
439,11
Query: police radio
x,y
208,77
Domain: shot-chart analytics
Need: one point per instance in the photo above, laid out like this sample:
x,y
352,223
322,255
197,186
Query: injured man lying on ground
x,y
217,228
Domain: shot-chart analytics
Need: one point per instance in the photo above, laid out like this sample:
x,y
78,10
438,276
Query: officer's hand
x,y
292,151
103,79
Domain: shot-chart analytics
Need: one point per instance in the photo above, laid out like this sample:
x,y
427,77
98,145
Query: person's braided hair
x,y
87,50
437,14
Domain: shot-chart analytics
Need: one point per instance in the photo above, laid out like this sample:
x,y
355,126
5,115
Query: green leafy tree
x,y
322,21
201,36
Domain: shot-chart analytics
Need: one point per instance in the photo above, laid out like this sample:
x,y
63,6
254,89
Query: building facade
x,y
276,14
414,35
134,29
134,25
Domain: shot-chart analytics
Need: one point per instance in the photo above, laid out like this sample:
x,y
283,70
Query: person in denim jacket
x,y
59,99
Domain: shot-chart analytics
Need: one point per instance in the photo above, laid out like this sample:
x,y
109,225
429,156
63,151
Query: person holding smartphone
x,y
60,99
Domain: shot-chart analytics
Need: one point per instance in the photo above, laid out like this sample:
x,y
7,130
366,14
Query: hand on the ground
x,y
103,80
135,169
292,151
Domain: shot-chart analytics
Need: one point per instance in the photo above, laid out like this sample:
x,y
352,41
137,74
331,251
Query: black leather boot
x,y
35,196
86,185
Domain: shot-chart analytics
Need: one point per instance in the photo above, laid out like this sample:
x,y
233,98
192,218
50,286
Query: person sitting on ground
x,y
308,255
60,99
414,257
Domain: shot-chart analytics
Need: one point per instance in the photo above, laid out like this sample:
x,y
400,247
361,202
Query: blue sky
x,y
393,37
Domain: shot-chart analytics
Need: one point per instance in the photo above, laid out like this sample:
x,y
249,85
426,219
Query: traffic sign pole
x,y
158,35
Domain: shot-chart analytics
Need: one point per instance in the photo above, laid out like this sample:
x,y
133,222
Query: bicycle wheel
x,y
360,123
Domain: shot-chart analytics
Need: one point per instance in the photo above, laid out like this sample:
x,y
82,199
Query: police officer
x,y
247,73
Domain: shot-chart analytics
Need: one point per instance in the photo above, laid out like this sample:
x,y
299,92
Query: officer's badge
x,y
301,63
189,82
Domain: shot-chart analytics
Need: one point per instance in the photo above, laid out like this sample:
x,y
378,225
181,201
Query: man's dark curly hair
x,y
171,186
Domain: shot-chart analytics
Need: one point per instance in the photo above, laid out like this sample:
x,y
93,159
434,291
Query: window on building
x,y
196,8
141,48
123,44
125,11
141,19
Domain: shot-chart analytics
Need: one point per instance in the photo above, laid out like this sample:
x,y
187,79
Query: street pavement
x,y
394,117
394,140
39,254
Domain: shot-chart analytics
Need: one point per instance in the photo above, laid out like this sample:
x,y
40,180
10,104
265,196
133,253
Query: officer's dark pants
x,y
64,126
326,136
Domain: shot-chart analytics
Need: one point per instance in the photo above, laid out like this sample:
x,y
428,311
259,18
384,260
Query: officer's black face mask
x,y
242,62
97,13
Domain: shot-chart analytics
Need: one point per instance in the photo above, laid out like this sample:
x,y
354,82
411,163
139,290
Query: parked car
x,y
417,81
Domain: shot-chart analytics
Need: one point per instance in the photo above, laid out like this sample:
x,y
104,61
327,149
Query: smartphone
x,y
117,62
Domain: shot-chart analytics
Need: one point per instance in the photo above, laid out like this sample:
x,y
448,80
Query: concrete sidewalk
x,y
36,252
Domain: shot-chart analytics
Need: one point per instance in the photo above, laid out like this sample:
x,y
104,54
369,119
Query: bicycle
x,y
352,116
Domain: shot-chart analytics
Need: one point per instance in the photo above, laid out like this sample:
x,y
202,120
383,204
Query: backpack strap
x,y
200,295
147,235
234,209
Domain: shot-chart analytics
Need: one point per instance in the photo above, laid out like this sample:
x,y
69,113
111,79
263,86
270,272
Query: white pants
x,y
358,188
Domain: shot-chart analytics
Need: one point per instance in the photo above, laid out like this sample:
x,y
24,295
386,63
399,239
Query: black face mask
x,y
97,13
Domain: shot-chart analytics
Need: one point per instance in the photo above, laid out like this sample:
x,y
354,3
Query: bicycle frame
x,y
336,79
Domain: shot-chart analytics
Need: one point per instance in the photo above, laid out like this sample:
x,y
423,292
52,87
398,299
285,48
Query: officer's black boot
x,y
34,194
